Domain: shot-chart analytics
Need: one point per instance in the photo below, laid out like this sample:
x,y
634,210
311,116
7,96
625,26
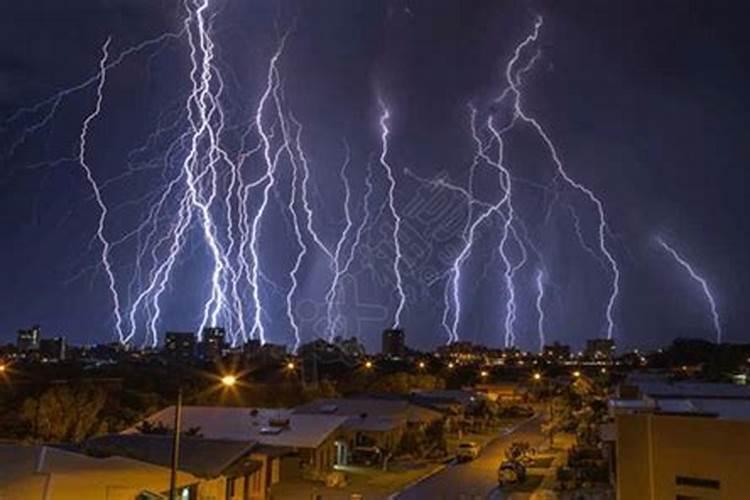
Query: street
x,y
476,479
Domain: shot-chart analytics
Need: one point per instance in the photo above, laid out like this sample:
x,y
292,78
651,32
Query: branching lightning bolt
x,y
339,266
384,133
514,89
105,254
701,281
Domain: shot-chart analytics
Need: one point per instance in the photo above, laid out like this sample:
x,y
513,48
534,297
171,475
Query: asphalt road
x,y
476,479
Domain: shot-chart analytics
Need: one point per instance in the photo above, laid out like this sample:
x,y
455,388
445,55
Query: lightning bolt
x,y
339,266
293,201
701,281
48,107
268,180
510,268
540,308
384,133
514,90
105,253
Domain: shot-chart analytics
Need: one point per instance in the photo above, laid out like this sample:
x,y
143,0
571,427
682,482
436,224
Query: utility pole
x,y
176,445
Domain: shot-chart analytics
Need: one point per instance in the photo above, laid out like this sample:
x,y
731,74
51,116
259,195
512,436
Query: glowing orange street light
x,y
576,374
290,365
484,374
451,365
421,364
228,380
537,376
3,368
368,364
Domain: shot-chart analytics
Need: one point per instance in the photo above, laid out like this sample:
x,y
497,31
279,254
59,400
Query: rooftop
x,y
201,457
273,427
702,390
37,472
370,407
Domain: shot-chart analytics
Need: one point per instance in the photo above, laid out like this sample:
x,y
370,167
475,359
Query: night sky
x,y
646,102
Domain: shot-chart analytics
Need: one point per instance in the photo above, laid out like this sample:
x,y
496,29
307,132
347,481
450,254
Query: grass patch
x,y
394,480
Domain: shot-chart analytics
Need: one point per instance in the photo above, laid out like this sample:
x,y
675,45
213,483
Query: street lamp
x,y
3,368
290,365
451,365
227,381
576,374
537,376
368,364
483,374
421,365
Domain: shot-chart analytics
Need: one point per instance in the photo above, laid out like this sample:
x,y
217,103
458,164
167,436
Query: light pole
x,y
226,381
175,445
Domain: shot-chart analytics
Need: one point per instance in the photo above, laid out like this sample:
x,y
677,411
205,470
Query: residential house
x,y
371,421
228,470
304,443
44,472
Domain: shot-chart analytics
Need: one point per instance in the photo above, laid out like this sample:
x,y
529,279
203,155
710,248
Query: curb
x,y
427,476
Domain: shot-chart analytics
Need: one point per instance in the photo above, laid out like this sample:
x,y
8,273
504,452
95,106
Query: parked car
x,y
468,450
521,451
510,472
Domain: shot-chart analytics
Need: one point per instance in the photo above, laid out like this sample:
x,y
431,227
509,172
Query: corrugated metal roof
x,y
201,457
245,424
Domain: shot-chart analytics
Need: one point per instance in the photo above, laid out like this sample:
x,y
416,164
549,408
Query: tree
x,y
435,436
413,441
66,413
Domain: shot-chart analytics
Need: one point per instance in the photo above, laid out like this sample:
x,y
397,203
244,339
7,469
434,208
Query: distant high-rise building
x,y
251,348
600,349
180,344
557,351
213,342
28,340
52,349
394,343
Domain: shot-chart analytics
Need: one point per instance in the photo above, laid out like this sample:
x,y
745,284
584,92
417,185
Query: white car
x,y
468,450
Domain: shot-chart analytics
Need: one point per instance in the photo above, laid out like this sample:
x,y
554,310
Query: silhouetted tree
x,y
66,413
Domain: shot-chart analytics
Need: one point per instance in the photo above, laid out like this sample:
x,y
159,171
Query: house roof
x,y
201,457
693,390
370,407
729,409
446,400
273,427
36,472
374,423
